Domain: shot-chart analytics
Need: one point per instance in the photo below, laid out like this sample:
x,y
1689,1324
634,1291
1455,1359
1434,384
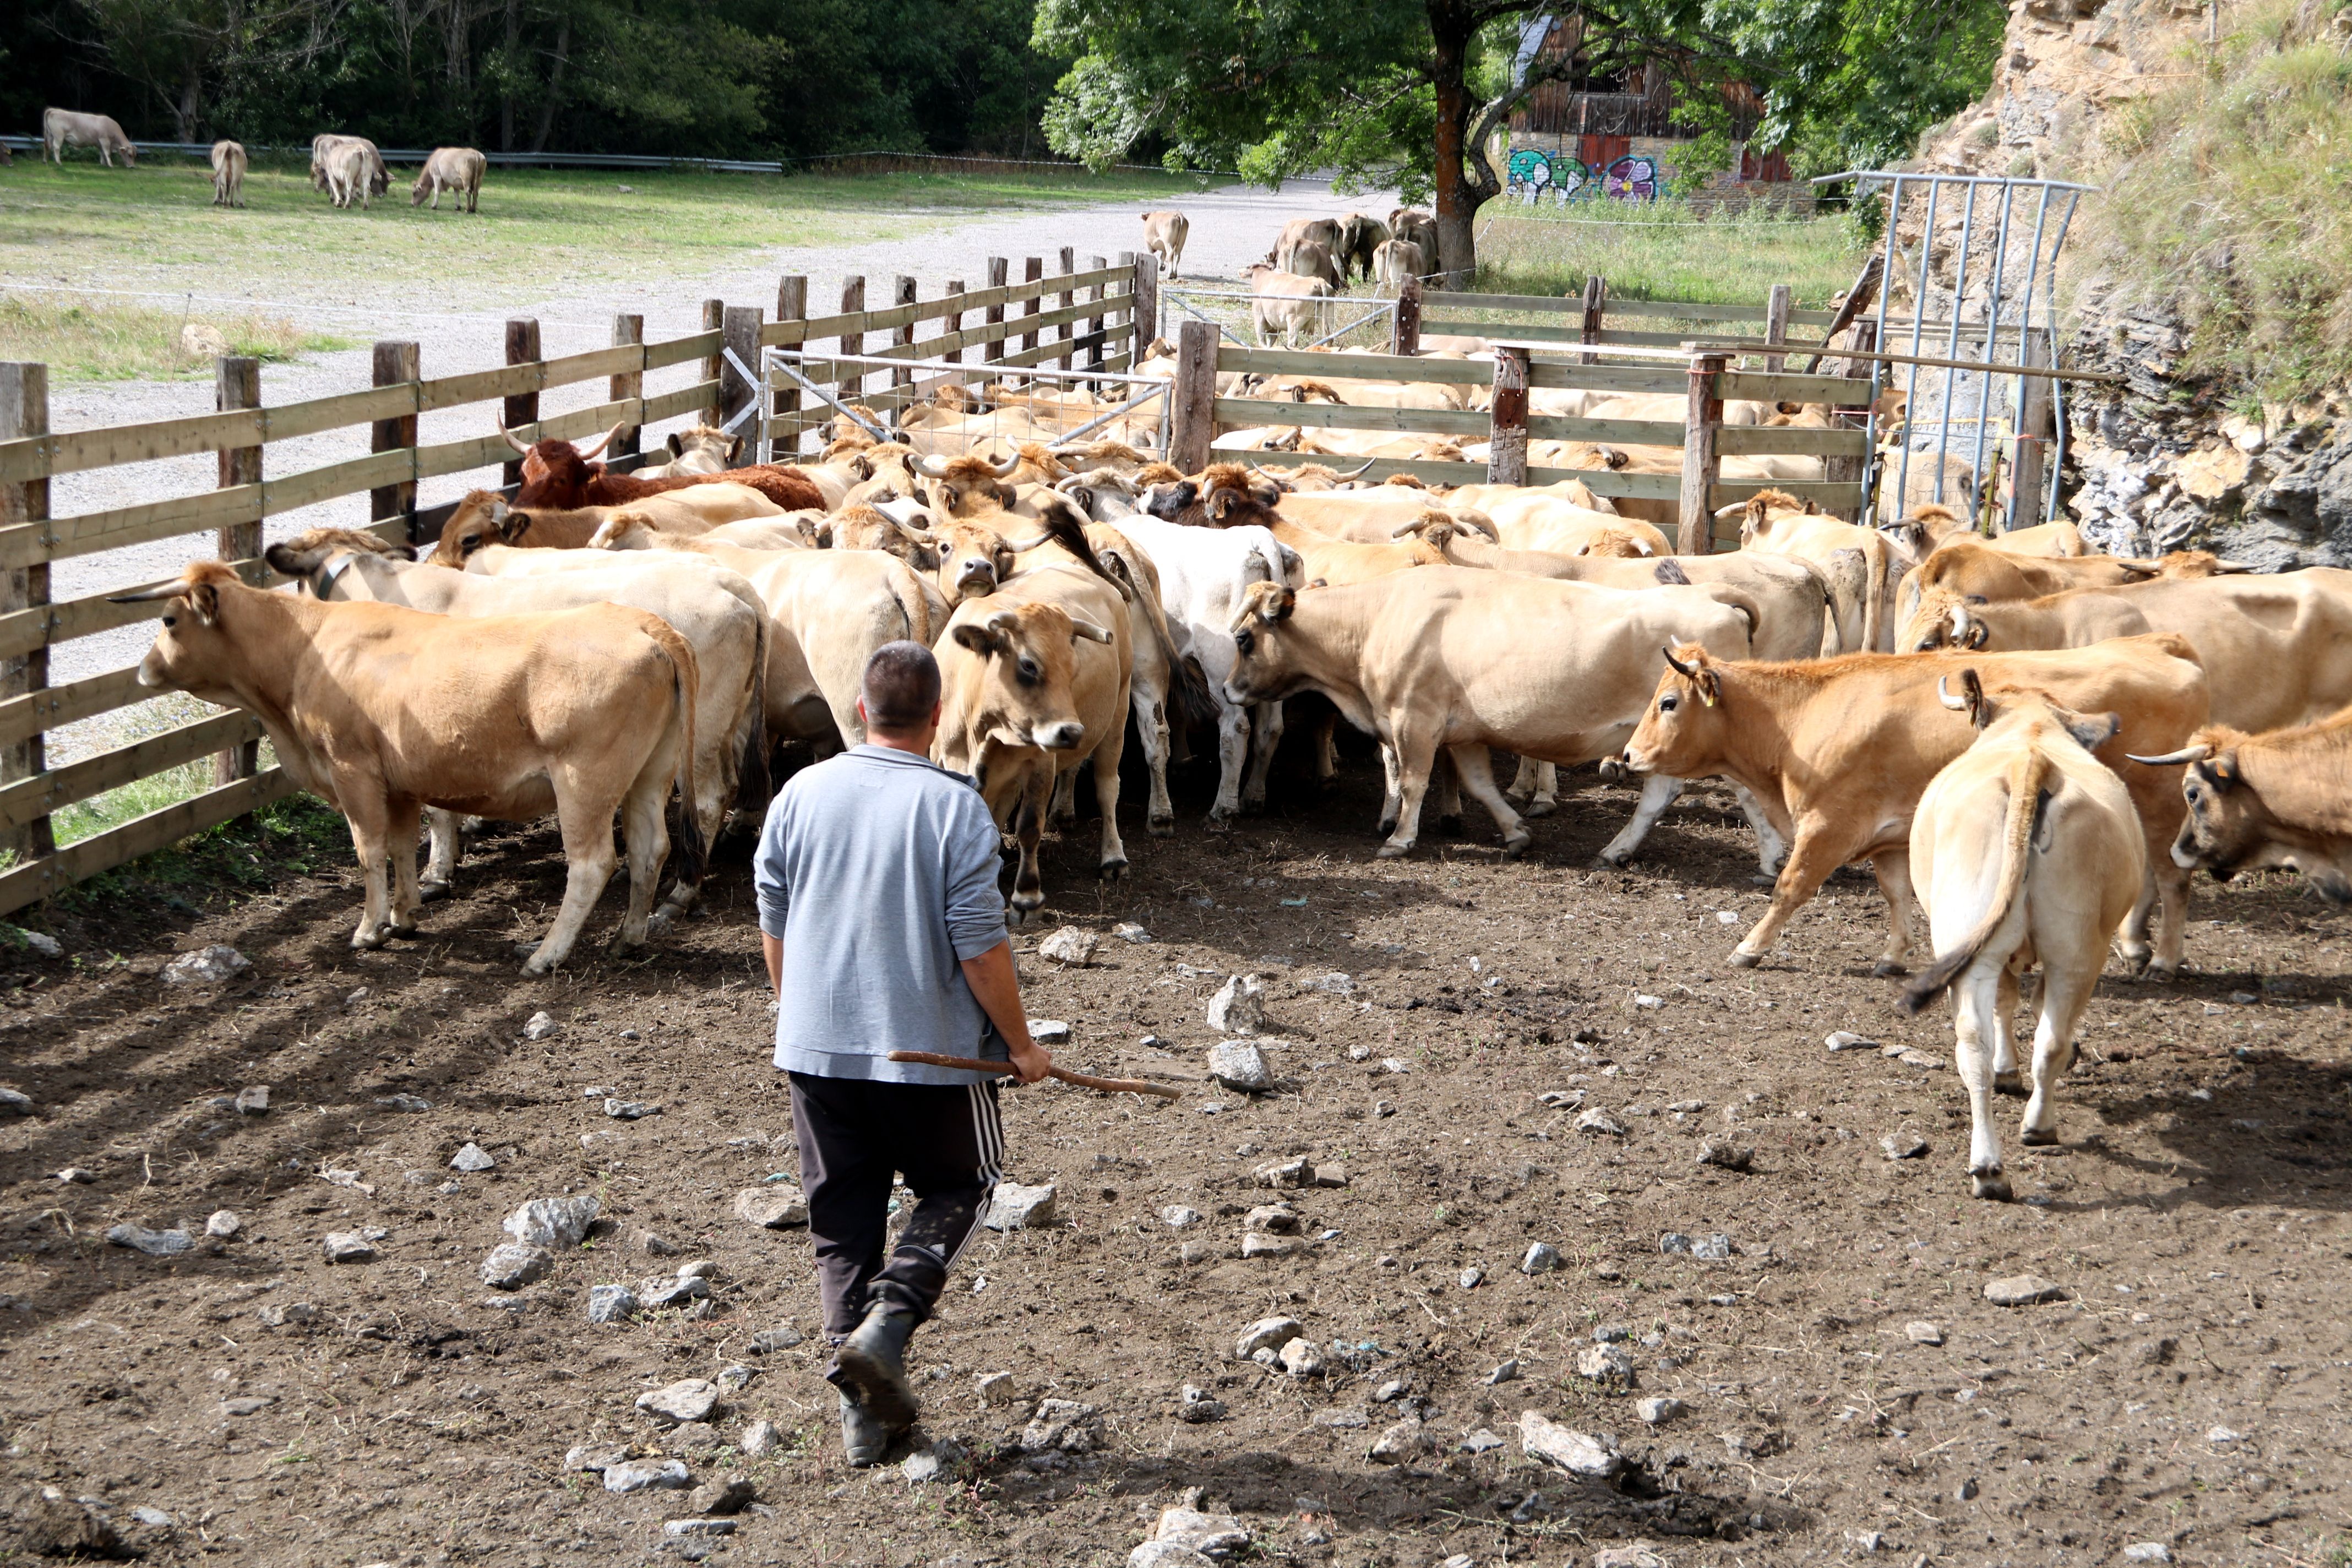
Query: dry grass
x,y
82,340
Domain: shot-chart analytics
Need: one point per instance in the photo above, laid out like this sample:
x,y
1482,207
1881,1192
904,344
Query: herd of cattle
x,y
2042,743
349,169
1312,261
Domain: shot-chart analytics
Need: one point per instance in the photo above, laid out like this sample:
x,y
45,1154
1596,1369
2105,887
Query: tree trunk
x,y
506,97
184,109
554,85
1457,204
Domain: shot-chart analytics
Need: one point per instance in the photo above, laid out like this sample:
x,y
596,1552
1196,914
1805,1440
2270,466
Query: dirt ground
x,y
2185,1390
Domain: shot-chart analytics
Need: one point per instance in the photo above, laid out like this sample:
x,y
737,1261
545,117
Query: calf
x,y
1839,751
383,712
1164,235
1284,303
228,174
558,474
63,128
457,170
2025,849
2280,799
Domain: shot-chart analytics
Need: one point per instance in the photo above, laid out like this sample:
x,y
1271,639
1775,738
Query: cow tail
x,y
687,844
2025,780
1875,607
1739,599
1068,530
1833,640
914,609
752,785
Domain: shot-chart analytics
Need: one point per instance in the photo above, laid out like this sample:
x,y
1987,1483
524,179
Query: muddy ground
x,y
2188,1389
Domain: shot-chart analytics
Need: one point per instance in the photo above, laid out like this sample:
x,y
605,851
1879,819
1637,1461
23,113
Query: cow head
x,y
482,518
1984,708
1683,727
192,651
898,527
317,557
2230,828
557,473
968,486
1024,694
1944,620
716,447
1261,670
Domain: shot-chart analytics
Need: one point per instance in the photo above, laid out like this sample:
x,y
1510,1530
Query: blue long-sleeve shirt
x,y
877,870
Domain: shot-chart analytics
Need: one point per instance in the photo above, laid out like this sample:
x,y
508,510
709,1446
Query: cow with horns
x,y
561,475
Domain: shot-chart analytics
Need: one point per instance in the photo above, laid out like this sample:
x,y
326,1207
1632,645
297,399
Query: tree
x,y
188,54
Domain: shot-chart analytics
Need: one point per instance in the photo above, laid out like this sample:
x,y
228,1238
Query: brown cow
x,y
1839,751
2278,799
459,171
558,474
484,517
1977,571
364,707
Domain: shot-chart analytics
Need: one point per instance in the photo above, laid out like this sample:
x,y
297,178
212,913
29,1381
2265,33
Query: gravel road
x,y
1231,227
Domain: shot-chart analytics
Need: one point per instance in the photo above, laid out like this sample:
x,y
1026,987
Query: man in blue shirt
x,y
884,930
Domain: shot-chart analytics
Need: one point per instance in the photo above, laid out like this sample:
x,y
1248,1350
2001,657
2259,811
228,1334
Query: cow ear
x,y
735,448
1710,685
1284,602
1972,691
975,638
1974,638
514,525
676,447
2092,731
203,603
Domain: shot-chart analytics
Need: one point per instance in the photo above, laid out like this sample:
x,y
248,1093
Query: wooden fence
x,y
230,516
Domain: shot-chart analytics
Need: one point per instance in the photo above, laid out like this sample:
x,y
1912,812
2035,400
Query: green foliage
x,y
1698,161
2228,197
1661,251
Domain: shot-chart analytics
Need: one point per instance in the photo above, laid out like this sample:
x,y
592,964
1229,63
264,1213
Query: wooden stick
x,y
1084,1080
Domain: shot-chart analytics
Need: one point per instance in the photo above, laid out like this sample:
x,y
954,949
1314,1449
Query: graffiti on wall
x,y
1533,175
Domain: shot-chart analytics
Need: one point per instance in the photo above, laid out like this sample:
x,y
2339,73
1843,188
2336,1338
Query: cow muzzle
x,y
1062,737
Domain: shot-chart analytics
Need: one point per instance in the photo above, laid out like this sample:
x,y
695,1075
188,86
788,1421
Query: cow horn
x,y
2231,567
1412,526
1470,516
1088,630
170,590
1360,473
920,535
2173,759
516,442
1022,546
932,466
602,441
1004,470
1944,695
1002,623
1687,671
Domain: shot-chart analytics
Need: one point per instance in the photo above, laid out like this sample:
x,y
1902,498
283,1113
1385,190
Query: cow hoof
x,y
1889,969
1994,1186
1541,808
1393,851
1112,870
2037,1138
403,928
429,891
1385,826
1608,862
1517,844
1611,771
1743,960
370,938
2009,1083
1161,826
2162,974
661,920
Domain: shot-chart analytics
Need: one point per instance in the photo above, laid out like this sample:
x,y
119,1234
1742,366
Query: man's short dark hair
x,y
900,687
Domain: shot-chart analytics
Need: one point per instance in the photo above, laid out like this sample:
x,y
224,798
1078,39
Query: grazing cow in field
x,y
1164,235
1309,259
228,174
63,128
459,171
2278,649
2280,799
558,474
1284,303
2025,850
1361,238
322,148
485,518
1034,686
383,712
1416,227
1839,751
1449,659
347,174
1396,261
716,611
699,450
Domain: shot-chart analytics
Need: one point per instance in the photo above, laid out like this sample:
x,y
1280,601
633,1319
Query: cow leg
x,y
589,860
1771,849
1816,854
645,830
2064,994
1658,792
1113,864
1536,784
1893,869
1391,795
1066,795
1448,781
1151,732
2006,1078
368,815
400,844
1976,1015
1327,751
1475,766
1232,749
1028,827
1264,737
1414,759
441,863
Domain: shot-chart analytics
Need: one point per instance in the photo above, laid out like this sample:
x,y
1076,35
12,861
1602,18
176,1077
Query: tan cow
x,y
2278,649
1164,235
347,174
1298,231
1970,570
1449,659
1416,226
1309,259
2279,799
1840,749
716,611
1284,303
228,173
459,171
1776,521
699,449
2025,850
323,147
63,128
484,517
1033,685
1360,236
364,705
1396,261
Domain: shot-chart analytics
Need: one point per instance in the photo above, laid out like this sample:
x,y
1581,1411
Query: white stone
x,y
1286,1174
688,1399
1579,1453
2148,1552
1399,1443
206,966
154,1243
1257,1244
1542,1257
1656,1411
1904,1145
1167,1554
541,1027
16,1100
2222,1435
253,1100
1049,1031
223,1224
1015,1208
1599,1123
636,1475
348,1246
516,1265
1212,1535
1920,1331
1267,1334
1239,1064
472,1157
553,1222
1607,1366
45,944
995,1388
611,1303
1070,945
1061,1425
1176,1216
1847,1040
758,1440
2022,1290
1239,1005
1127,931
772,1207
1301,1358
1332,985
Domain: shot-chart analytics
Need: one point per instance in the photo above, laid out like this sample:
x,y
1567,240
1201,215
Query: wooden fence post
x,y
1062,302
1852,470
1094,325
1695,535
25,411
850,385
792,305
951,323
903,293
2036,425
737,391
1032,270
1404,326
998,269
1143,306
396,364
1776,326
626,330
714,319
1192,400
1596,305
236,384
521,408
1506,437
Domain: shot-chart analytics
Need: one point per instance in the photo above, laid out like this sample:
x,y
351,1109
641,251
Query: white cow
x,y
63,128
1164,235
1284,303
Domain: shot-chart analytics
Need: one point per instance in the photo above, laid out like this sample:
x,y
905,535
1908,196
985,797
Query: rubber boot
x,y
873,1361
864,1438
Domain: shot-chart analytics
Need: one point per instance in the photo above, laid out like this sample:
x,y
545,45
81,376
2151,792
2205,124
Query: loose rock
x,y
1579,1453
1240,1064
1656,1411
253,1100
553,1223
2148,1552
1197,1405
1541,1258
1301,1358
44,943
611,1303
674,1291
758,1440
1267,1334
1049,1031
1289,1173
995,1388
2024,1290
1904,1145
717,1498
1479,1442
1920,1331
1507,1373
1061,1426
1127,931
206,966
1607,1365
632,1110
636,1475
51,1524
153,1243
688,1399
1846,1040
1599,1124
539,1027
1176,1216
295,1313
1724,1154
1167,1554
768,1342
581,1457
1398,1443
472,1157
410,1104
1239,1005
1016,1207
16,1102
514,1266
1257,1244
348,1246
1071,946
692,1527
772,1209
1710,1248
1212,1535
249,1405
1332,985
1473,1276
1922,1060
223,1224
1279,1218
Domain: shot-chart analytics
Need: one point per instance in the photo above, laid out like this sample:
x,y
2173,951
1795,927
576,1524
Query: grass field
x,y
81,339
538,232
1661,251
